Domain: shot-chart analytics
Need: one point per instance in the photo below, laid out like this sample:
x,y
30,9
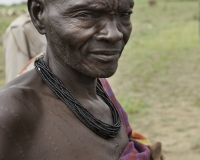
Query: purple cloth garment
x,y
134,150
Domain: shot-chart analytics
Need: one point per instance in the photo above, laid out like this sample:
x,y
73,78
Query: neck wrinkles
x,y
77,83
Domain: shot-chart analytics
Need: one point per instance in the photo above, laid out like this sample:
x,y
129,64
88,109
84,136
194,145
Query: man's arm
x,y
17,124
10,129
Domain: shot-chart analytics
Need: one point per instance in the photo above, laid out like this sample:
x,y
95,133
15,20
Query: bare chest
x,y
60,135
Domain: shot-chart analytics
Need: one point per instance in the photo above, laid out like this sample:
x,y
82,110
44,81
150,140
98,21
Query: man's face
x,y
89,35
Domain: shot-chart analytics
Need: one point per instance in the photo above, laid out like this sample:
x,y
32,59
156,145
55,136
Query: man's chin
x,y
102,74
97,72
106,75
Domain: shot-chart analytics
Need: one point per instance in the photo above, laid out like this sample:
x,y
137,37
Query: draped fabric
x,y
21,42
134,149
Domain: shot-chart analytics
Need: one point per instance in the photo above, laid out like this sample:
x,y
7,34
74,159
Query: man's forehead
x,y
109,4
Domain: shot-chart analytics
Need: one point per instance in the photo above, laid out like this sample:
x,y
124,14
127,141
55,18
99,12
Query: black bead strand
x,y
102,129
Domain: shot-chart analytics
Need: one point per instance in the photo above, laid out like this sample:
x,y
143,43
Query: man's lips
x,y
105,55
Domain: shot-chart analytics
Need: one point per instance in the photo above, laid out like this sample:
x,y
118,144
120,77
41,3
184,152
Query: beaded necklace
x,y
102,129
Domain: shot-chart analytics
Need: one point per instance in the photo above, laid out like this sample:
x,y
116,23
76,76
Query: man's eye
x,y
125,14
85,15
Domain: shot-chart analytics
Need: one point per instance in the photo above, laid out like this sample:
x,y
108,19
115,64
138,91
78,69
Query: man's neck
x,y
80,85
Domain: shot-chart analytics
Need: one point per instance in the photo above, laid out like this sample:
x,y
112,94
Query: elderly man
x,y
60,110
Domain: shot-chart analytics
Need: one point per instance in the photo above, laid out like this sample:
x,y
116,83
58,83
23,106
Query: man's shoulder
x,y
23,94
18,115
17,99
13,89
21,86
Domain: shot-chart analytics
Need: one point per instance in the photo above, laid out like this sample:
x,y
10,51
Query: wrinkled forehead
x,y
109,4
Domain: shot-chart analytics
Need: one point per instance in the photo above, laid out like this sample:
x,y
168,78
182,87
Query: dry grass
x,y
160,68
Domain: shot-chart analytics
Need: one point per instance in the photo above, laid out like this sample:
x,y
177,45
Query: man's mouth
x,y
105,55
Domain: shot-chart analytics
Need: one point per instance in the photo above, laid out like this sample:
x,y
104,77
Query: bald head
x,y
40,1
86,35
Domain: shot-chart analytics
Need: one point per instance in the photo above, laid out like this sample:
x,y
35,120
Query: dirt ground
x,y
177,129
173,116
172,90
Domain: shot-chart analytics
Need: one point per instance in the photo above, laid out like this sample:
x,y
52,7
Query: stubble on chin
x,y
62,55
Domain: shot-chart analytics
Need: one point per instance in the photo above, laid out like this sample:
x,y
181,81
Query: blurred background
x,y
158,79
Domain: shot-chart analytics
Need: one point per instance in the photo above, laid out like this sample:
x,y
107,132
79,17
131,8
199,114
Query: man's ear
x,y
36,11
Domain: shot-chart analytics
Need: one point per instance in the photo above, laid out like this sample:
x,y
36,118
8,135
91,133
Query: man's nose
x,y
109,32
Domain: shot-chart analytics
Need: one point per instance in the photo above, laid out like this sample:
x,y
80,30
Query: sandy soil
x,y
173,116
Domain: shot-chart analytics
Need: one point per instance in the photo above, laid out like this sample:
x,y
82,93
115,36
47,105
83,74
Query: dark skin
x,y
85,41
